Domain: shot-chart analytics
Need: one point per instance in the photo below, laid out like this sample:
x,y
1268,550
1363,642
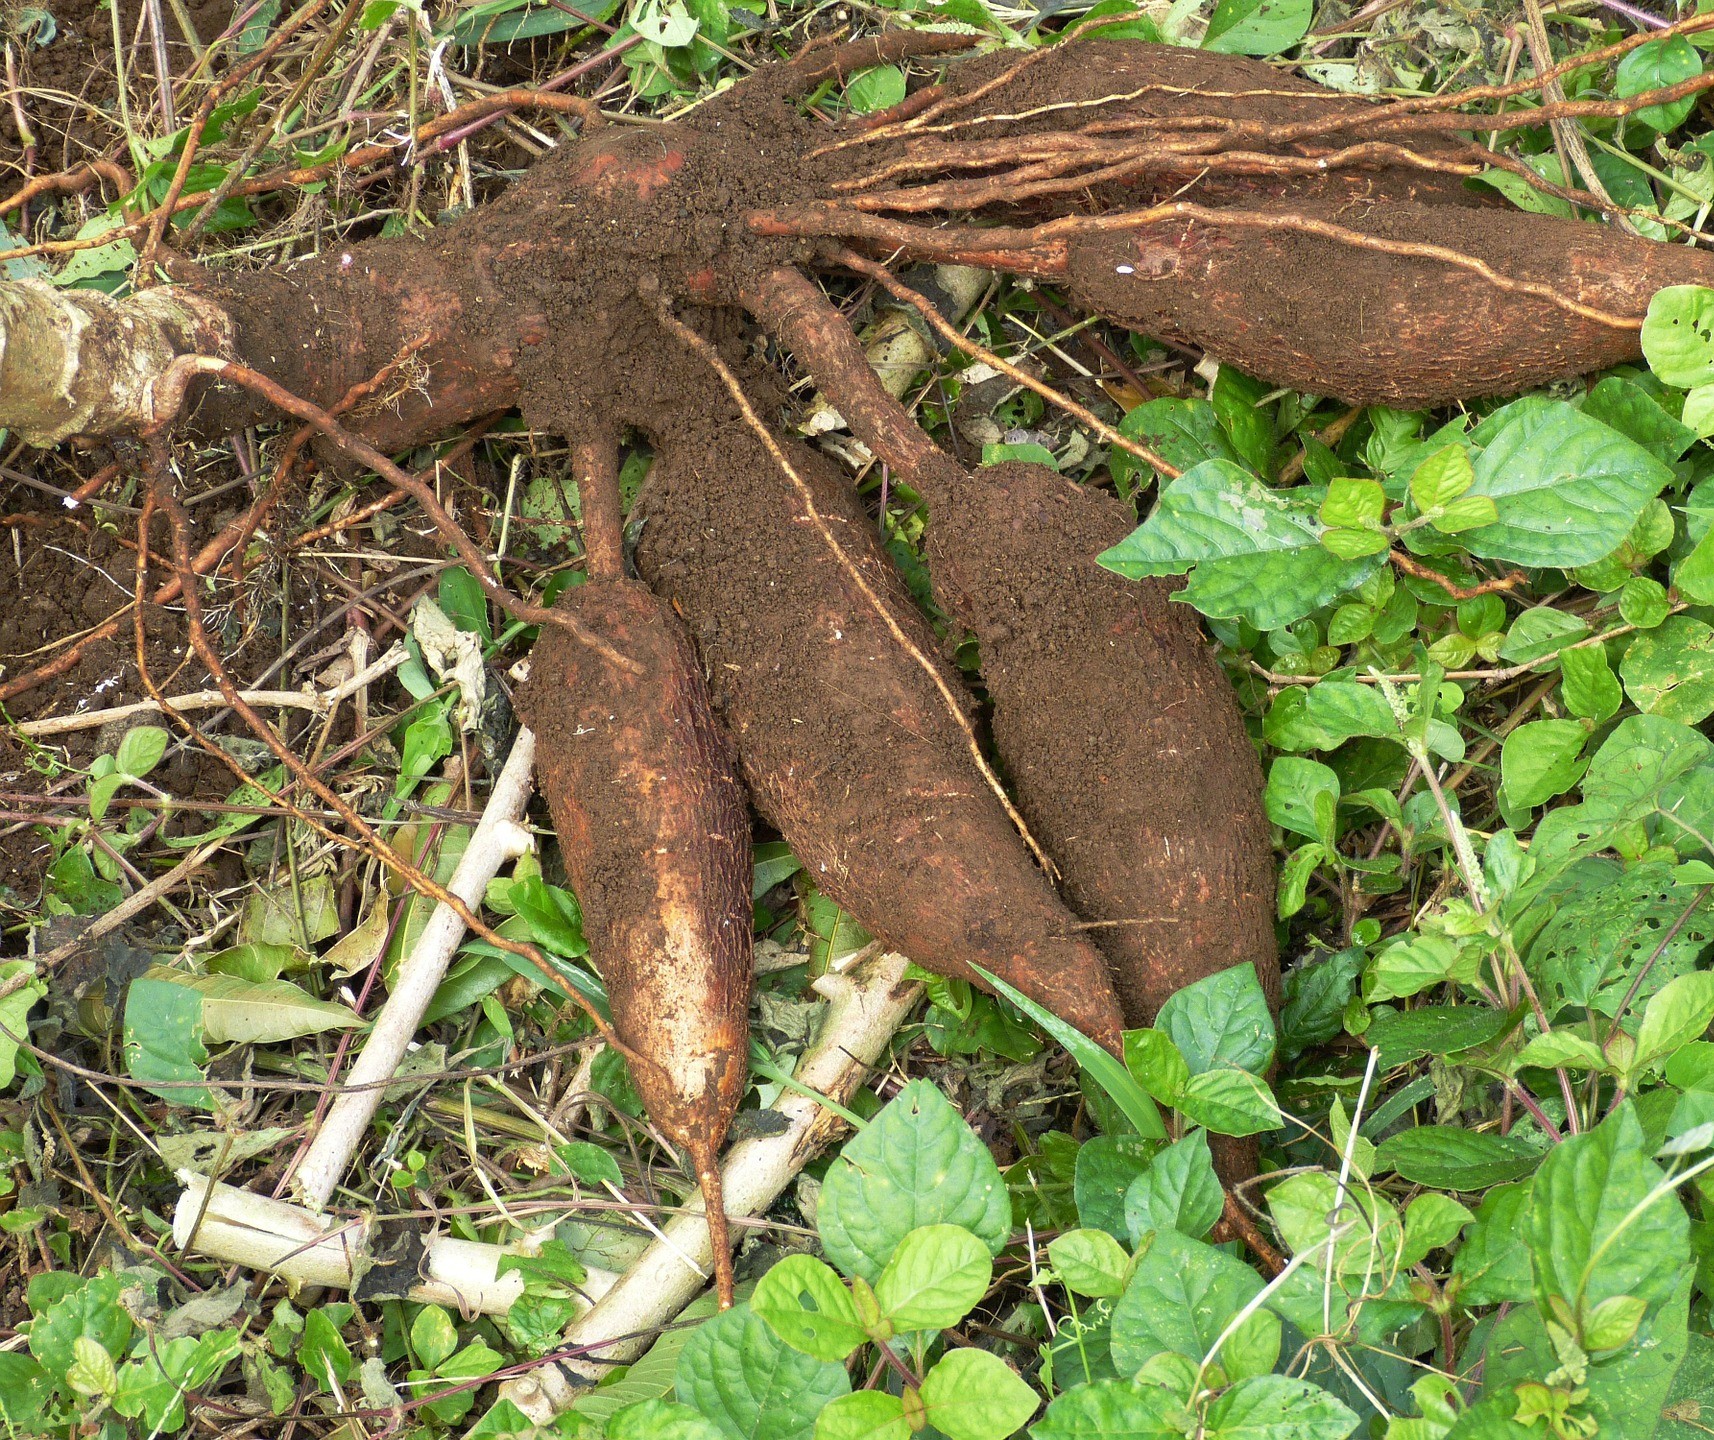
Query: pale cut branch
x,y
497,839
241,1227
866,1006
75,362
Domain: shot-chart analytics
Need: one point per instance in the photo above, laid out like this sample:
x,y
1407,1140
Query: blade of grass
x,y
1101,1067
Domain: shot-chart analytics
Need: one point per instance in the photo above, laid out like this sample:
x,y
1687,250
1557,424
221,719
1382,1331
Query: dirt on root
x,y
1118,728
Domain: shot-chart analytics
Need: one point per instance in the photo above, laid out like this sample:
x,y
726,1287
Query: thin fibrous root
x,y
711,357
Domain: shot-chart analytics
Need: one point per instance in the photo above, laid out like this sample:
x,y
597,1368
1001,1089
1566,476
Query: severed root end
x,y
707,1162
75,362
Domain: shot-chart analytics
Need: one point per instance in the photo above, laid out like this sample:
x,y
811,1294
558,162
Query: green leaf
x,y
1353,504
1679,1013
1612,1324
1433,1030
1470,513
553,915
323,1352
1541,759
1111,1410
141,750
1256,552
1450,1158
1493,1264
1568,489
163,1037
1411,965
1588,685
1432,1222
1296,788
1230,1101
863,1415
1370,1236
917,1163
875,89
14,1015
1096,1063
1184,433
1181,1296
1106,1167
298,912
1179,1191
1222,1019
463,602
1678,335
1158,1065
1257,27
735,1371
590,1164
1601,1223
433,1337
1632,411
657,1420
1643,602
1277,1407
1090,1262
1669,671
88,1310
935,1278
974,1395
1441,478
1658,65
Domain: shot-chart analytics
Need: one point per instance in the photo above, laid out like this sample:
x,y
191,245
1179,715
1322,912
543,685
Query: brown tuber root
x,y
652,824
847,746
1124,740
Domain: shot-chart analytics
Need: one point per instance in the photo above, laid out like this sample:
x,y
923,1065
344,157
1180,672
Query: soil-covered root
x,y
847,745
1398,304
645,797
1118,729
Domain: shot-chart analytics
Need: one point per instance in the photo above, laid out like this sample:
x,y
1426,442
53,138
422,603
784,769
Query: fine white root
x,y
240,1227
497,839
866,1006
75,362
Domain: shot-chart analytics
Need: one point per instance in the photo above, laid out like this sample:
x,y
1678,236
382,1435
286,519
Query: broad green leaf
x,y
1090,1262
1568,488
291,913
163,1037
1370,1236
1180,1297
141,749
236,1011
1295,790
1106,1167
1670,670
1433,1030
1493,1264
1432,1222
1541,759
1222,1019
1588,685
1678,335
935,1278
1658,65
1441,478
917,1163
1257,27
875,89
1679,1013
433,1337
1184,433
89,1309
1277,1407
1413,964
323,1353
1450,1158
808,1307
1256,552
1600,1221
974,1395
863,1415
1179,1191
660,1420
1111,1410
735,1371
1157,1064
14,1015
1632,411
1230,1101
